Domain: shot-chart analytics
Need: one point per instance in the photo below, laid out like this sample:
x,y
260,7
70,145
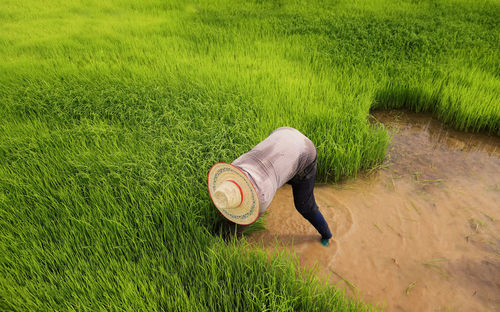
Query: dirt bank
x,y
421,233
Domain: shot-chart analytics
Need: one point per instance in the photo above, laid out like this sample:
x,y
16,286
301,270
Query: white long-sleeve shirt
x,y
276,160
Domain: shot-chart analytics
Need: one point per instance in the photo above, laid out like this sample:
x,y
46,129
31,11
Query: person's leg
x,y
303,197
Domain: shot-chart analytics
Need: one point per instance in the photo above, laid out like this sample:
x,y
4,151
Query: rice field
x,y
113,112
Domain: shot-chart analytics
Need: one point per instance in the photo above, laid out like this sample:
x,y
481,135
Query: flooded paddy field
x,y
420,233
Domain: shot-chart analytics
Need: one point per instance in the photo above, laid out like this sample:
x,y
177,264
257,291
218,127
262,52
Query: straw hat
x,y
233,193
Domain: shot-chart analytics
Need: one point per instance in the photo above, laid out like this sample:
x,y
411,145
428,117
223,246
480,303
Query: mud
x,y
420,233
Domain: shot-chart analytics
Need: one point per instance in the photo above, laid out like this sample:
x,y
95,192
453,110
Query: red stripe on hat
x,y
241,192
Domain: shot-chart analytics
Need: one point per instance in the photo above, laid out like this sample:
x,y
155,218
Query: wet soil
x,y
420,233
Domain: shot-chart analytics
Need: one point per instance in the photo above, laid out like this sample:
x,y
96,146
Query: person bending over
x,y
243,190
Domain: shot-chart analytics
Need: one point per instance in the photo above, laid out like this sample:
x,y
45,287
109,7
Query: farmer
x,y
243,190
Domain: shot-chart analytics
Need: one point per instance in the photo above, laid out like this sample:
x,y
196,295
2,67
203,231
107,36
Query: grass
x,y
113,112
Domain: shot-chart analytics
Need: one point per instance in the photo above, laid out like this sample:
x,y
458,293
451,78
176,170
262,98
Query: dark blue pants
x,y
303,197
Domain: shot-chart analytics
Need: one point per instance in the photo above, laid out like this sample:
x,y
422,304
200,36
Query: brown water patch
x,y
422,233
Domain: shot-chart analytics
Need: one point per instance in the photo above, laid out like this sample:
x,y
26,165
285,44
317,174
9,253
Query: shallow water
x,y
421,233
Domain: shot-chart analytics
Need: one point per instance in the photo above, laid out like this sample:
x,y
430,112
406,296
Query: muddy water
x,y
422,233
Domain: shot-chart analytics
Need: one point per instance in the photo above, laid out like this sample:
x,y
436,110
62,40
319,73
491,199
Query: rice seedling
x,y
410,287
394,230
495,187
490,218
436,265
390,186
410,219
353,287
415,207
430,181
377,227
476,224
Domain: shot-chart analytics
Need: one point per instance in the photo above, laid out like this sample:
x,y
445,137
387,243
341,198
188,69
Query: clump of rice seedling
x,y
257,226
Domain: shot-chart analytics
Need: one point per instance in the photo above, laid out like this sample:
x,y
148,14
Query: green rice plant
x,y
113,112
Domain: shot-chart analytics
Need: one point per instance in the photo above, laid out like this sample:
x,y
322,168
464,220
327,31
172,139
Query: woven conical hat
x,y
233,194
